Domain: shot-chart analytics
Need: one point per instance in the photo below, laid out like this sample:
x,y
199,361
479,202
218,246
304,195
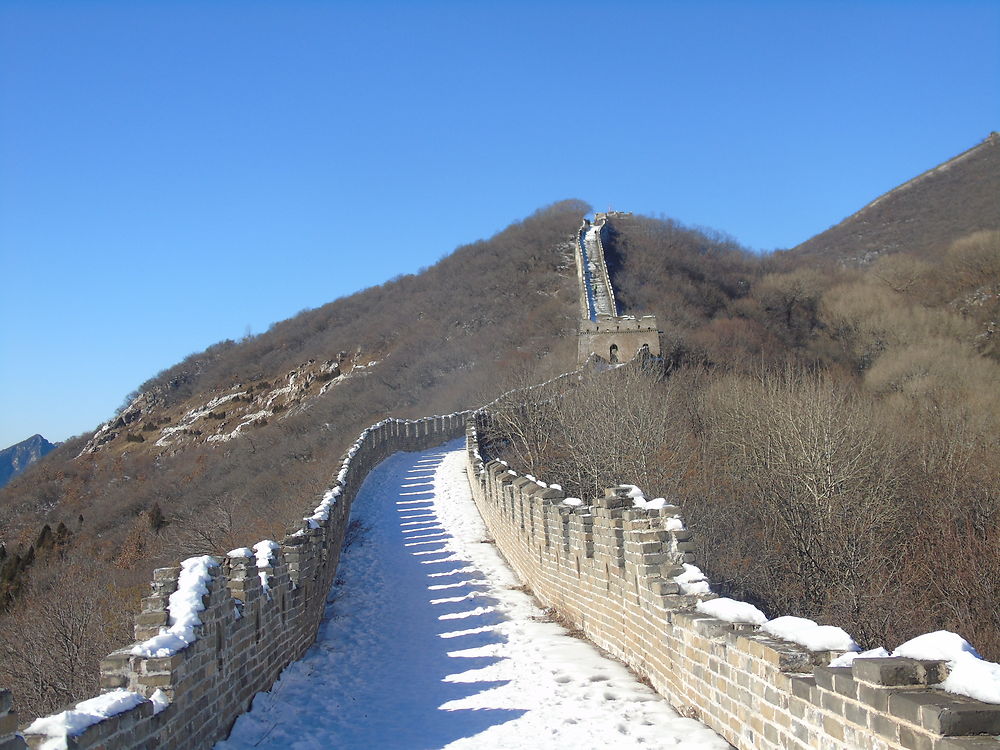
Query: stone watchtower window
x,y
613,354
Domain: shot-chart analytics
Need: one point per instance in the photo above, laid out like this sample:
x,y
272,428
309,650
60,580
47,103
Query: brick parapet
x,y
247,634
609,570
601,263
581,276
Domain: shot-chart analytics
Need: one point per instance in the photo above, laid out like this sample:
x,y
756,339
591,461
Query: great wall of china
x,y
608,567
611,570
603,332
261,612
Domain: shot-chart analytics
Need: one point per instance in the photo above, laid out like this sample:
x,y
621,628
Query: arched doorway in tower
x,y
613,354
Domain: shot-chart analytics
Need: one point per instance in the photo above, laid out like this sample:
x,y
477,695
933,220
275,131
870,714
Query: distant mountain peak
x,y
18,457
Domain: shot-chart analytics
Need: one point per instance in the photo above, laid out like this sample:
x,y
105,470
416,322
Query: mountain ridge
x,y
904,219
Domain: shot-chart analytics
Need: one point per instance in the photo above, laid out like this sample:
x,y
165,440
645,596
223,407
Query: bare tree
x,y
50,649
821,475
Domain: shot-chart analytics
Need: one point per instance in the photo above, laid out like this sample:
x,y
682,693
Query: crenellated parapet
x,y
623,575
214,631
618,339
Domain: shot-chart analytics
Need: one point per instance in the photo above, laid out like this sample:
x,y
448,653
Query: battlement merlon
x,y
609,324
601,217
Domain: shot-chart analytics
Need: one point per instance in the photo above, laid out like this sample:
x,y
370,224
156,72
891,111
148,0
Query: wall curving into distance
x,y
215,631
618,573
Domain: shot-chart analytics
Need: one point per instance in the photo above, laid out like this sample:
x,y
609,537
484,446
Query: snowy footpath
x,y
429,643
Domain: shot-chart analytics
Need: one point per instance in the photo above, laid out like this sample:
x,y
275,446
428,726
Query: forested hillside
x,y
830,428
231,444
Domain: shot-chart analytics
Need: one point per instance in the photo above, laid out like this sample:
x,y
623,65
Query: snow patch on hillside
x,y
193,416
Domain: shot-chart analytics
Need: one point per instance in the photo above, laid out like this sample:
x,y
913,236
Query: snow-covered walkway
x,y
598,294
429,643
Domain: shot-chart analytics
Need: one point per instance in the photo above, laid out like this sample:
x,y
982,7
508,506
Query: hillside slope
x,y
923,215
228,446
830,426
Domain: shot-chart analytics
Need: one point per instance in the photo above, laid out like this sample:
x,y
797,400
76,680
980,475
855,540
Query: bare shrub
x,y
819,474
50,649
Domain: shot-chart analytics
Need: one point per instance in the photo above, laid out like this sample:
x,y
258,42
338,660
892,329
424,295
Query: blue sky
x,y
177,173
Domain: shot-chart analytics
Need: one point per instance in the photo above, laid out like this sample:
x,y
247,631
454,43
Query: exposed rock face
x,y
17,458
225,414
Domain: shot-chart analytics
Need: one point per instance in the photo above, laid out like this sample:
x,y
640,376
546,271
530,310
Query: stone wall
x,y
613,338
628,335
247,634
607,567
603,277
610,569
8,724
581,277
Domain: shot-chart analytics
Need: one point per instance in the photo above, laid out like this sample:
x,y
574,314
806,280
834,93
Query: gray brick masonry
x,y
606,568
247,635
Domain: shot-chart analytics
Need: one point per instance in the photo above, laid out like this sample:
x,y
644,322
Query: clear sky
x,y
177,173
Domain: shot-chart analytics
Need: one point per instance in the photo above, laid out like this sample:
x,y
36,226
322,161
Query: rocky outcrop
x,y
226,414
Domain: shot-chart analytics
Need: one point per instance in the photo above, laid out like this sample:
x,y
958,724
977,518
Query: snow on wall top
x,y
968,674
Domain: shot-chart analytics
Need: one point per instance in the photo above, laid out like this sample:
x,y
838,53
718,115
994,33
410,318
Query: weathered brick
x,y
913,739
875,697
967,743
908,704
889,671
831,702
961,719
825,676
803,687
885,726
856,713
833,727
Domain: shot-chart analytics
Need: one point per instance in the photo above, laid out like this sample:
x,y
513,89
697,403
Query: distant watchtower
x,y
603,332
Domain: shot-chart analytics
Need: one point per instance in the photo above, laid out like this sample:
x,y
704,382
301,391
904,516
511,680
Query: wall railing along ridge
x,y
248,615
602,266
622,574
587,301
581,274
